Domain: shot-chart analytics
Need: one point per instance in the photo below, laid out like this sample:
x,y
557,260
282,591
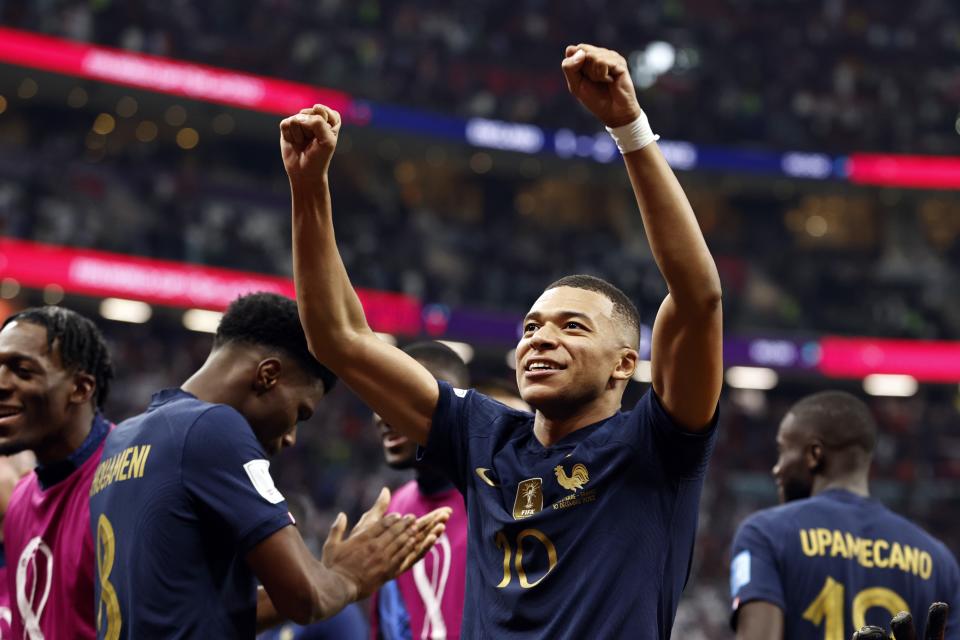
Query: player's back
x,y
169,551
838,561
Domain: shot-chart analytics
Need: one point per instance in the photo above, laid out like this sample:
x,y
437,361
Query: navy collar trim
x,y
51,474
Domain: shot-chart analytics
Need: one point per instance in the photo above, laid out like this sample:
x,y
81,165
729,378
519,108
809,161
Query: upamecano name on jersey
x,y
868,552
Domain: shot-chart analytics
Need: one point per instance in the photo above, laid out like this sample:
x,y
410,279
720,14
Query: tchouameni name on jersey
x,y
126,465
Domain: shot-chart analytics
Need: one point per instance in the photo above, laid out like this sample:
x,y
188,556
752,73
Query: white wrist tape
x,y
633,136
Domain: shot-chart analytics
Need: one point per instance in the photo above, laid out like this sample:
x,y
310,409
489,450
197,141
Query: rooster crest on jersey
x,y
577,478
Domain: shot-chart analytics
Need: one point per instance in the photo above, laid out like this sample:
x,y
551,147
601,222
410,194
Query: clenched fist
x,y
600,80
307,142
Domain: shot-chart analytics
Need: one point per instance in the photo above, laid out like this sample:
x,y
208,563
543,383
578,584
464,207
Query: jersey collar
x,y
51,474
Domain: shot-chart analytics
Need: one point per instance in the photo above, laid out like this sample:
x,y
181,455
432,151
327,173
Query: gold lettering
x,y
823,540
839,549
866,555
853,545
808,543
896,557
144,452
877,560
911,556
125,463
926,565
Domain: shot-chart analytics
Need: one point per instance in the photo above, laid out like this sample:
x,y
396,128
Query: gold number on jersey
x,y
109,603
827,607
504,545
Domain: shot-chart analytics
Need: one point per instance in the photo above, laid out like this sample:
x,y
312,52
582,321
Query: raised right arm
x,y
389,381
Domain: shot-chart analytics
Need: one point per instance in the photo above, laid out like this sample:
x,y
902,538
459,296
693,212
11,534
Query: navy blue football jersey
x,y
183,492
589,538
837,561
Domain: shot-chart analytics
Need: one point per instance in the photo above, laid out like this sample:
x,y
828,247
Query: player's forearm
x,y
678,245
330,310
267,614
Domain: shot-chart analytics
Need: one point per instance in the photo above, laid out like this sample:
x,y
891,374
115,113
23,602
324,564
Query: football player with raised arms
x,y
582,517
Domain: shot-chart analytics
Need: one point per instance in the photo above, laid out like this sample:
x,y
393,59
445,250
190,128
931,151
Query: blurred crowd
x,y
828,75
443,227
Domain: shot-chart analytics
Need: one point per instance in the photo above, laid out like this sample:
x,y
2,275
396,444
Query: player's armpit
x,y
759,620
687,361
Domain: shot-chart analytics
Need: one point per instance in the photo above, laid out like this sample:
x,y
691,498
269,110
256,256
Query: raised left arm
x,y
687,350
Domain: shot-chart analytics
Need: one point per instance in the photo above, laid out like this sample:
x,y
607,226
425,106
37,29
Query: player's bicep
x,y
391,383
760,620
687,363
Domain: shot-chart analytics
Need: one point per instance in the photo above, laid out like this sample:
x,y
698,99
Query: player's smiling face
x,y
793,471
570,349
34,388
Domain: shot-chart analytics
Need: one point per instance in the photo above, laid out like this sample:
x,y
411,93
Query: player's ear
x,y
814,456
84,386
268,374
626,365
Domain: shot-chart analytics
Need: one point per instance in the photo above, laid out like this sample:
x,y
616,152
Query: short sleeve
x,y
753,569
952,597
461,416
684,454
225,468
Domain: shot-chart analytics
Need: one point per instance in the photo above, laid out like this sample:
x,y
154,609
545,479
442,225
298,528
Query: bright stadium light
x,y
890,385
122,310
759,378
643,372
202,320
462,349
512,359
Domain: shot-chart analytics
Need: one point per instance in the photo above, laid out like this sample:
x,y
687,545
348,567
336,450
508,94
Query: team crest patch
x,y
529,498
578,477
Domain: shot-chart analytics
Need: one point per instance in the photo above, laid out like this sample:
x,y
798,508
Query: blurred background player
x,y
503,392
581,519
427,601
55,373
832,559
187,517
12,468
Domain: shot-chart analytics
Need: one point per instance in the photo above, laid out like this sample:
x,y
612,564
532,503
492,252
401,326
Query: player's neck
x,y
551,429
68,440
210,382
856,484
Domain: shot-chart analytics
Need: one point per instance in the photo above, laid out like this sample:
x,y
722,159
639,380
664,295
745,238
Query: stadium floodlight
x,y
512,359
890,385
202,320
643,372
122,310
757,378
462,349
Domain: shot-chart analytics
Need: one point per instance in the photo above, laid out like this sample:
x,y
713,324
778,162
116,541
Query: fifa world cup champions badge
x,y
529,498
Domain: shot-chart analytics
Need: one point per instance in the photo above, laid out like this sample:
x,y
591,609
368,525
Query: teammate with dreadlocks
x,y
55,374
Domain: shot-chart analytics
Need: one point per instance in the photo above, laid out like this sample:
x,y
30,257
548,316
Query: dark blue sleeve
x,y
952,595
225,468
684,454
459,417
753,568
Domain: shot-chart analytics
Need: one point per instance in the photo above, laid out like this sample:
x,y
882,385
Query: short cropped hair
x,y
839,419
440,359
271,320
624,310
81,344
